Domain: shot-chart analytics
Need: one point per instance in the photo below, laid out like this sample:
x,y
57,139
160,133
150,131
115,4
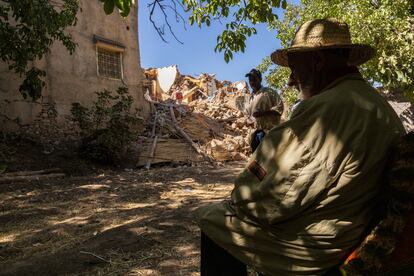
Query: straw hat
x,y
324,34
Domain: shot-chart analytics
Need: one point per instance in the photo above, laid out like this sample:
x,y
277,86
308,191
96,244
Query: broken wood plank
x,y
152,151
22,173
147,97
21,178
186,137
154,124
168,150
231,119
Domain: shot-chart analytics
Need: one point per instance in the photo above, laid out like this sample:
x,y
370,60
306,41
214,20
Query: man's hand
x,y
249,122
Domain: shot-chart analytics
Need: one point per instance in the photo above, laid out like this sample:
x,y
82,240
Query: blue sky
x,y
197,54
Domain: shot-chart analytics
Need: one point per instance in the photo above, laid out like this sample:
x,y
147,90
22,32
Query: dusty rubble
x,y
194,119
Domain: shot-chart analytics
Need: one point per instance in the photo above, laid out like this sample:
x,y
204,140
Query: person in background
x,y
264,108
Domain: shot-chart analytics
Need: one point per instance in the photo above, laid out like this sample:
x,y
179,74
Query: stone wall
x,y
48,132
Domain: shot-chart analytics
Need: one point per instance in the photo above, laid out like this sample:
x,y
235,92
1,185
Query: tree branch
x,y
164,7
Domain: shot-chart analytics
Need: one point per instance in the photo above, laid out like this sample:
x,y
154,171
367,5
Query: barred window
x,y
109,63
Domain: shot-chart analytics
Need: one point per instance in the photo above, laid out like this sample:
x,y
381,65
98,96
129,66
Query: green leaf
x,y
126,10
119,4
230,55
109,6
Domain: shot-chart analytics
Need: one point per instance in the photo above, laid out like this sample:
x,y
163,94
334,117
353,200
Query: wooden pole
x,y
151,154
21,173
186,137
154,142
20,178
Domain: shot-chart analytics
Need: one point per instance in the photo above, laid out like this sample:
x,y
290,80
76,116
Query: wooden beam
x,y
186,137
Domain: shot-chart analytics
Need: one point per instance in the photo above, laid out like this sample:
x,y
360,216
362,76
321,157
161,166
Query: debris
x,y
31,175
166,77
170,151
206,124
160,80
96,256
21,173
185,135
154,144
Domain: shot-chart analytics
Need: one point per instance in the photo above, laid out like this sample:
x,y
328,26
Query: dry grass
x,y
139,222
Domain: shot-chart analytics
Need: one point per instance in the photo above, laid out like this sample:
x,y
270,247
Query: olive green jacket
x,y
307,194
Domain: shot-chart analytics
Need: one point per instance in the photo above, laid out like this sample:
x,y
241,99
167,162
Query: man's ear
x,y
320,60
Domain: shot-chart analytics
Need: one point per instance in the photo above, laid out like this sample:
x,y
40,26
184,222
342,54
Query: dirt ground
x,y
108,222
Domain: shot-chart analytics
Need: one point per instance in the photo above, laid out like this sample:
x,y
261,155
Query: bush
x,y
108,127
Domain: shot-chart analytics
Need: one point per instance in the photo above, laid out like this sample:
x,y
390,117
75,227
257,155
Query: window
x,y
109,57
109,63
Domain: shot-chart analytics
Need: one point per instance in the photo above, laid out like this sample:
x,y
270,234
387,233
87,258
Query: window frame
x,y
110,48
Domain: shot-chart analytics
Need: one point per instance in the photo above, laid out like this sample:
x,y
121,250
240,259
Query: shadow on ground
x,y
112,223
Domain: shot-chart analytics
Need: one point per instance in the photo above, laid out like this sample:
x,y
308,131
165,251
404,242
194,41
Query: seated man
x,y
264,108
307,195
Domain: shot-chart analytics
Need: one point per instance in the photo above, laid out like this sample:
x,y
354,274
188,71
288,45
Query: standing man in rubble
x,y
264,108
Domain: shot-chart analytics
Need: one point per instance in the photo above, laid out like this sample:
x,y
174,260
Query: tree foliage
x,y
239,17
27,30
386,25
31,26
107,127
124,6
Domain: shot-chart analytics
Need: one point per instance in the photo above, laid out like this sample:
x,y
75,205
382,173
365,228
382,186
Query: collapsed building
x,y
194,119
201,118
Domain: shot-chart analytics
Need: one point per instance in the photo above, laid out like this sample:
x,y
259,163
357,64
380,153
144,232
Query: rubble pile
x,y
205,124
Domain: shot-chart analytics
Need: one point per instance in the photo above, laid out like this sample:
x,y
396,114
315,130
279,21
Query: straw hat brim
x,y
359,53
